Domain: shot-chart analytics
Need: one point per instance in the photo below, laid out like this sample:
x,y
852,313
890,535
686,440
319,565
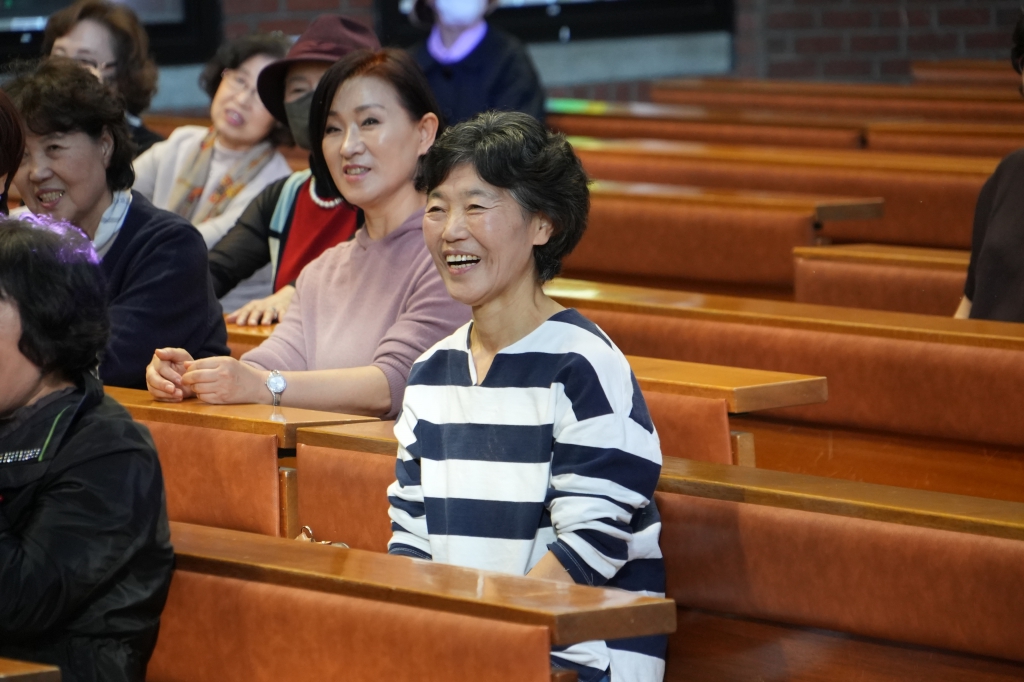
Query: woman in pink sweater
x,y
367,308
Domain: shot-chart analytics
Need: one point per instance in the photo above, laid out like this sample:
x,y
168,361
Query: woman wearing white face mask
x,y
471,66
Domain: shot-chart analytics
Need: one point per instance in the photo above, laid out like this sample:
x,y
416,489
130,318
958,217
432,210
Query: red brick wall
x,y
290,16
866,39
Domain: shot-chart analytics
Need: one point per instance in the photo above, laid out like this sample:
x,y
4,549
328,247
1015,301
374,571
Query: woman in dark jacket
x,y
85,553
77,167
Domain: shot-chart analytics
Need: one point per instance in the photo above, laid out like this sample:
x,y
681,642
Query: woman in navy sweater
x,y
77,168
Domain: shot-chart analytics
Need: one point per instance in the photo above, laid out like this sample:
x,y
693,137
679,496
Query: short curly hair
x,y
136,71
12,145
61,96
516,152
233,54
51,274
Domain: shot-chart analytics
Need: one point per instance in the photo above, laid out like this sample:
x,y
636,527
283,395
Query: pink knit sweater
x,y
365,302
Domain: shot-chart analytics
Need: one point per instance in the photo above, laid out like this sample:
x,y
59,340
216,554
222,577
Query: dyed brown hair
x,y
136,71
12,144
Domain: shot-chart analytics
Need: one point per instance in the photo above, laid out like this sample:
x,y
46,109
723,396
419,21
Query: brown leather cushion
x,y
882,287
922,209
215,629
929,587
726,133
911,387
665,239
691,428
219,478
343,495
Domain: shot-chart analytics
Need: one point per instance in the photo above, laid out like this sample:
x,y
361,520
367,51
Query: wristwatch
x,y
276,384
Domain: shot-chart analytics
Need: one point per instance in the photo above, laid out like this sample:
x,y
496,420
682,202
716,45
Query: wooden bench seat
x,y
784,554
750,126
974,72
882,277
929,199
24,671
221,462
894,372
686,235
973,104
246,607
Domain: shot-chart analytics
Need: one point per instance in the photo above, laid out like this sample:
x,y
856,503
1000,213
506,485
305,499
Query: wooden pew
x,y
595,118
247,607
678,236
221,462
739,126
877,100
882,277
996,73
929,199
24,671
785,560
900,373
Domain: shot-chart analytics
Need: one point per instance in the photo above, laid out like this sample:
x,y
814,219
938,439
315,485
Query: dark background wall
x,y
289,16
867,40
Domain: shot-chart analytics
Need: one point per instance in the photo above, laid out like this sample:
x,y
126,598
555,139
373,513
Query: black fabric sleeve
x,y
164,301
519,87
982,211
86,526
245,248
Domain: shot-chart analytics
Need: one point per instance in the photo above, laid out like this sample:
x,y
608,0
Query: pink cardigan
x,y
365,302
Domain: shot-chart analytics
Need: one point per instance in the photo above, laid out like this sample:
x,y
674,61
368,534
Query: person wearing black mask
x,y
297,218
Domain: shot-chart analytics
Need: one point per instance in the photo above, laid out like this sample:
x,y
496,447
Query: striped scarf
x,y
189,186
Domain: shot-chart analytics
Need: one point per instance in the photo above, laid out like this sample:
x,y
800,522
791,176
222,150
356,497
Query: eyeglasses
x,y
237,83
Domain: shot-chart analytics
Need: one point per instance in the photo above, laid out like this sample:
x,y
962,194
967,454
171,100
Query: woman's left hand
x,y
226,381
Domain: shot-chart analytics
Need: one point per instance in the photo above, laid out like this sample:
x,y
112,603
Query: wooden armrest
x,y
261,419
572,613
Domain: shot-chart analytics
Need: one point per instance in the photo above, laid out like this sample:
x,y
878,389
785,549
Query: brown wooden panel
x,y
821,207
886,254
724,648
23,671
572,613
743,390
660,302
248,418
975,72
882,91
906,461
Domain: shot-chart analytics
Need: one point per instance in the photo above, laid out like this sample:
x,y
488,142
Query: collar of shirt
x,y
460,49
111,221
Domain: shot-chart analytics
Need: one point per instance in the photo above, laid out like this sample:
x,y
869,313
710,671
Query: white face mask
x,y
459,12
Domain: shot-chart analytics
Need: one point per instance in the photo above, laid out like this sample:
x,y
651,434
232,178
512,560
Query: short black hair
x,y
514,151
61,96
136,70
51,273
1017,51
233,54
390,65
12,145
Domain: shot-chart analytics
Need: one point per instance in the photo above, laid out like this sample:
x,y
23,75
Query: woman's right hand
x,y
264,310
163,375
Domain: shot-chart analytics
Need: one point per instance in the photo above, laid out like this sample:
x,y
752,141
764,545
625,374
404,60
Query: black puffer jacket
x,y
85,552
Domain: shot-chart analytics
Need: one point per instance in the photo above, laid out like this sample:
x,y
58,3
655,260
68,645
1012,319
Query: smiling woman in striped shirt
x,y
525,443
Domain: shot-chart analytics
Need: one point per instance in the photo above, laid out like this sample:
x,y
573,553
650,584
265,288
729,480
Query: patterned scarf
x,y
189,186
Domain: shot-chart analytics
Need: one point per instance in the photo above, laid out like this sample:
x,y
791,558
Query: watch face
x,y
276,383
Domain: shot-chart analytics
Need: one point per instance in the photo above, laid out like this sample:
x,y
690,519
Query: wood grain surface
x,y
249,418
885,254
23,671
572,613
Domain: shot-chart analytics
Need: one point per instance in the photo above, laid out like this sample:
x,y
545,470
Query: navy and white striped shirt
x,y
553,450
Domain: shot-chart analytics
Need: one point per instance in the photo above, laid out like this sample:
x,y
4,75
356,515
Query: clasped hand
x,y
172,376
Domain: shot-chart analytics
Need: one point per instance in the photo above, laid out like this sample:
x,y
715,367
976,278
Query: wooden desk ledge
x,y
262,419
374,437
744,390
885,91
909,326
884,254
821,207
907,506
23,671
252,334
572,613
859,159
